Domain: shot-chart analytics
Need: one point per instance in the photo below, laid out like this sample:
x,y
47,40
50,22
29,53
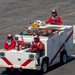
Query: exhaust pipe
x,y
20,69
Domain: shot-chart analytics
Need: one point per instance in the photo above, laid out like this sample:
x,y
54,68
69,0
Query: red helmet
x,y
54,11
36,37
9,36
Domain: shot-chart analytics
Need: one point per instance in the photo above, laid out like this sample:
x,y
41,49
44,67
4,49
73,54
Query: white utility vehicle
x,y
57,45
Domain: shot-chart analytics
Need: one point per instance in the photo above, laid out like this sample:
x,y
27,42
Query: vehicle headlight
x,y
31,56
2,54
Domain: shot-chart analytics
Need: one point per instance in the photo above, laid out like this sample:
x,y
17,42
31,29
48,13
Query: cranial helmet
x,y
54,12
36,37
10,36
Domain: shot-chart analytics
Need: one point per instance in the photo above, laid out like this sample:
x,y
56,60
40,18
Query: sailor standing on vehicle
x,y
10,42
54,19
37,47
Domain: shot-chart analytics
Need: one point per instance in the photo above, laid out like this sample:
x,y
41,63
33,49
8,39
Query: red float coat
x,y
9,45
19,44
36,46
56,21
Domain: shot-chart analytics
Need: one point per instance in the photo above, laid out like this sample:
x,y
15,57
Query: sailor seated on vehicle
x,y
54,19
37,47
20,44
9,43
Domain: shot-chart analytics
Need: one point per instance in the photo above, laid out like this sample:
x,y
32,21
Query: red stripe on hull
x,y
26,62
7,61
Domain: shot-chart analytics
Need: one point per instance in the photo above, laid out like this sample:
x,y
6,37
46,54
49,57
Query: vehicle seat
x,y
28,44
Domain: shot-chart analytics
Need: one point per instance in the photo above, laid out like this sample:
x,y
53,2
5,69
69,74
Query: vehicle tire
x,y
44,67
8,70
63,58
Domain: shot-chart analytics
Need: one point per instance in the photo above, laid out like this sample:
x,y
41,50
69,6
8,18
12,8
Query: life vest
x,y
19,44
9,44
37,46
57,20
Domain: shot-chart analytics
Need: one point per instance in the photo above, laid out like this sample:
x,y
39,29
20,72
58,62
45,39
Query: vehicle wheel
x,y
44,67
8,69
63,58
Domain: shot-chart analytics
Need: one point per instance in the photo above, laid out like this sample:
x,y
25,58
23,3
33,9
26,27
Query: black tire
x,y
63,58
44,67
8,70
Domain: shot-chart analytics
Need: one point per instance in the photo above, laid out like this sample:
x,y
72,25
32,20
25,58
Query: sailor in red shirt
x,y
37,47
19,44
36,44
54,19
9,43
